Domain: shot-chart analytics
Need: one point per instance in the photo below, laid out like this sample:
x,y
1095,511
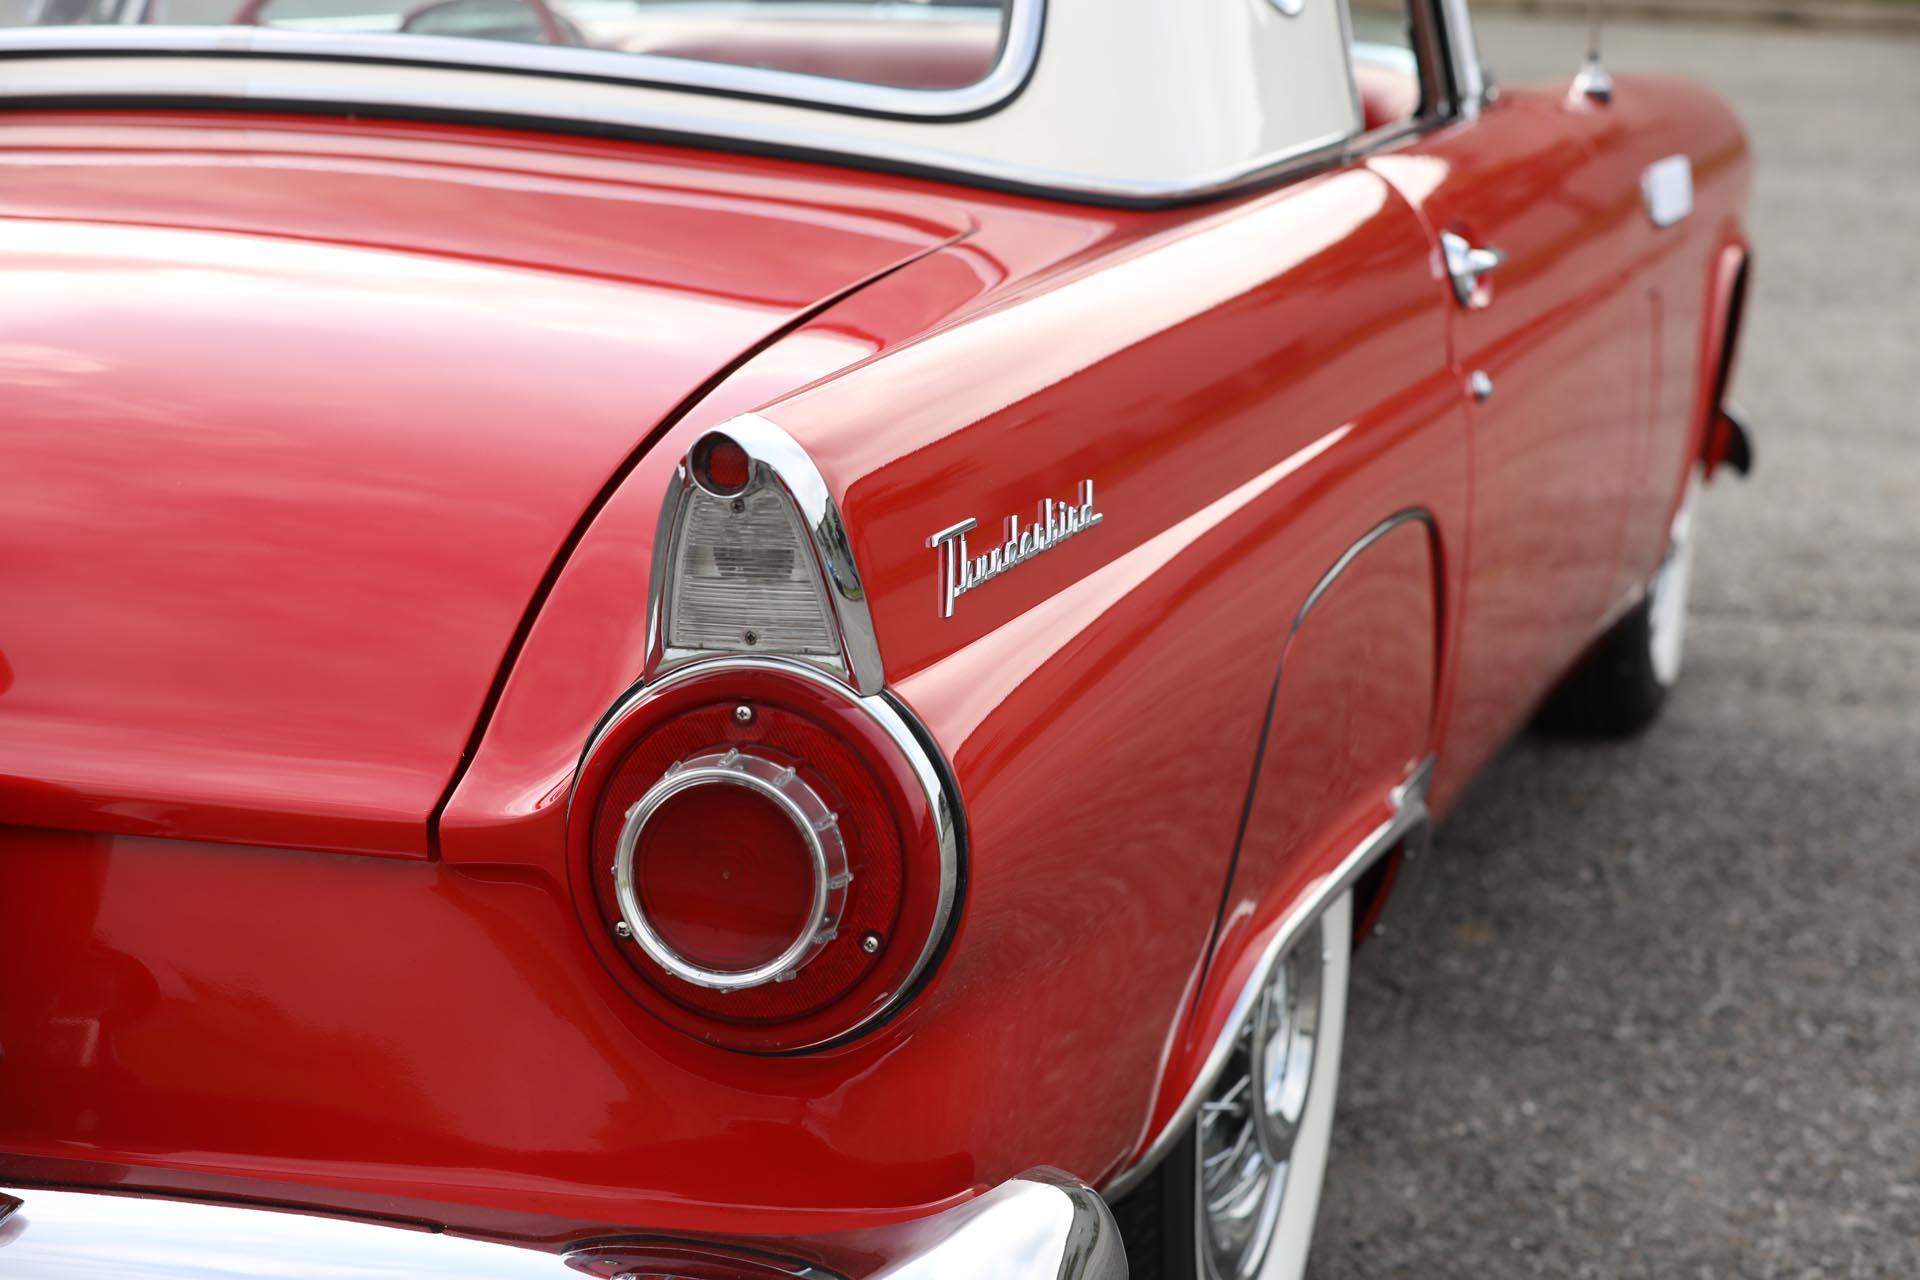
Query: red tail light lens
x,y
726,878
769,862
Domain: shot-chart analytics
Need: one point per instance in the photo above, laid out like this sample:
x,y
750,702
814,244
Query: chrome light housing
x,y
753,558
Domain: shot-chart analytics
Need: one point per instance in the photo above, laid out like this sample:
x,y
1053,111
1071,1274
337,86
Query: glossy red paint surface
x,y
290,443
1591,341
1253,386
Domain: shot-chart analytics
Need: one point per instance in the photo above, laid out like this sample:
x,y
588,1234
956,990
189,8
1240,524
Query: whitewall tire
x,y
1237,1197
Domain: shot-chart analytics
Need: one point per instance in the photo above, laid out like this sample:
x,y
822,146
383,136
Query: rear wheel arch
x,y
1398,559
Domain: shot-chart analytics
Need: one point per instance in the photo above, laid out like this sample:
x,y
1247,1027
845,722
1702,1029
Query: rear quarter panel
x,y
1252,388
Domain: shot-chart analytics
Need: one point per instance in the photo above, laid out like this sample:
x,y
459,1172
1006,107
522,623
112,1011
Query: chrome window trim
x,y
769,446
1470,89
909,737
1019,51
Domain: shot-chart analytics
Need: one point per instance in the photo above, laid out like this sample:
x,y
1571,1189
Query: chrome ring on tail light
x,y
819,831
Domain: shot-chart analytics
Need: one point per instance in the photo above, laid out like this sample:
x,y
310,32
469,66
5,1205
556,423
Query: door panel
x,y
1552,445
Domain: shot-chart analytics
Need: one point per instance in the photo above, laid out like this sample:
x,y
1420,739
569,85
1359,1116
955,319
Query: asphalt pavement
x,y
1656,1011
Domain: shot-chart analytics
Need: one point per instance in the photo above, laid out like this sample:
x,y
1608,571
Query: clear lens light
x,y
744,580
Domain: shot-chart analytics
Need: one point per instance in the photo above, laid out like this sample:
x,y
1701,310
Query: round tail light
x,y
731,872
767,861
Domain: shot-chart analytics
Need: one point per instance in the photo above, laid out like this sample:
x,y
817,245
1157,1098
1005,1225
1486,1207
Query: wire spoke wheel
x,y
1248,1127
1236,1197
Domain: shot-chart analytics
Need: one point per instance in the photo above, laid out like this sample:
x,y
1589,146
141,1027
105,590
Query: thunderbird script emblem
x,y
961,570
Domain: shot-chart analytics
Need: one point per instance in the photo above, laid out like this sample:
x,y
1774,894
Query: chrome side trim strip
x,y
1409,821
1020,49
911,739
769,446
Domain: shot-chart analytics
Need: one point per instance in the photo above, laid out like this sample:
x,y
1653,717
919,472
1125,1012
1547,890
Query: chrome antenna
x,y
1593,82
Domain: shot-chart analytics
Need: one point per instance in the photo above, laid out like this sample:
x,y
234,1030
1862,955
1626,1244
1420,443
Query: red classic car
x,y
771,638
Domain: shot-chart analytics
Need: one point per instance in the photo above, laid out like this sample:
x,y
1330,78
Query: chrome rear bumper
x,y
1041,1226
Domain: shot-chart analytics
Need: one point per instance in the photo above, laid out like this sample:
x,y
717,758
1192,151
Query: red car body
x,y
333,461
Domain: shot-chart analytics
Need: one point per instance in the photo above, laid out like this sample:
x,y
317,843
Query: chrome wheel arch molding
x,y
1409,821
1408,824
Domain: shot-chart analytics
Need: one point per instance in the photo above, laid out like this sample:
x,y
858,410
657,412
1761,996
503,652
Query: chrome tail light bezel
x,y
831,674
886,724
777,463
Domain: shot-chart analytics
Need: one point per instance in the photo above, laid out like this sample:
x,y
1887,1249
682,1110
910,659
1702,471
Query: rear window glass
x,y
901,44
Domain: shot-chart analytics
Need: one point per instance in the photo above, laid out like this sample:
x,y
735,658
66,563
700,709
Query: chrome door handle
x,y
1469,265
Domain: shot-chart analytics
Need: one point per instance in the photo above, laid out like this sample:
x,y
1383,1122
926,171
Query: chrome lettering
x,y
961,569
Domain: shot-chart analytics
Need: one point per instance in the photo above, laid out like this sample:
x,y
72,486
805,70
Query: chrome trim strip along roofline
x,y
1039,1226
278,84
769,446
908,736
1409,820
1019,51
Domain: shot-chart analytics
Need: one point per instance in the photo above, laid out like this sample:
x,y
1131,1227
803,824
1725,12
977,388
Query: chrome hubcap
x,y
1667,616
1248,1125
